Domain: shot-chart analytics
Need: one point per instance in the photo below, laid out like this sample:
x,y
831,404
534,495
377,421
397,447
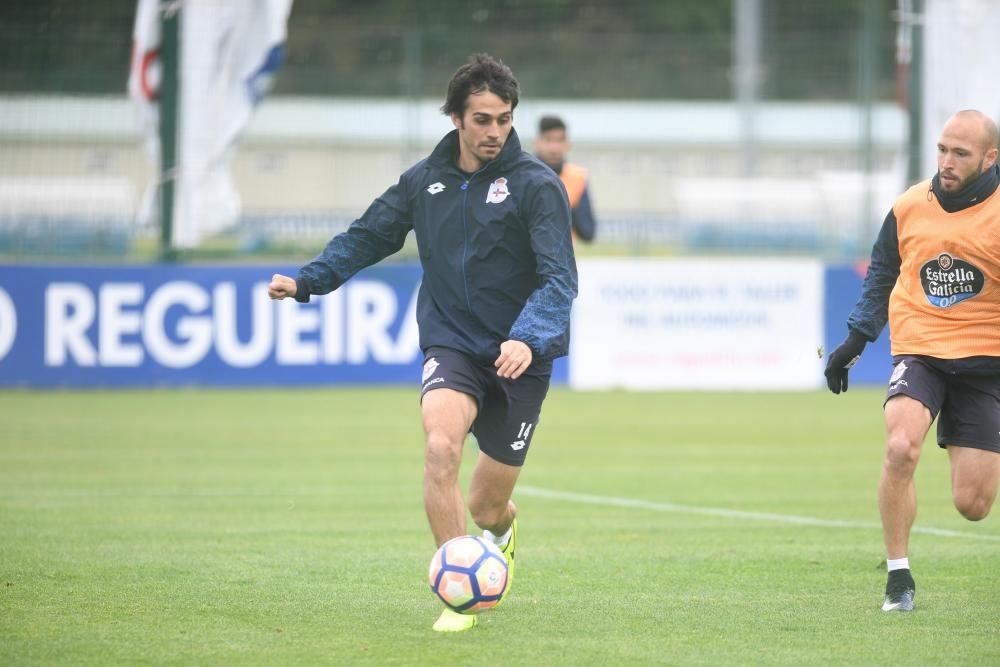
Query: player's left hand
x,y
514,359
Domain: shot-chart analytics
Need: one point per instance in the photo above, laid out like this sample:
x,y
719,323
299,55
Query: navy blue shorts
x,y
967,407
508,409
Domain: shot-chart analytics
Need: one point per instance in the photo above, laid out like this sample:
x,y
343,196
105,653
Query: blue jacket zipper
x,y
465,228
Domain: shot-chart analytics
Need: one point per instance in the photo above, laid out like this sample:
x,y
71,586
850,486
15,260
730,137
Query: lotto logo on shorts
x,y
522,437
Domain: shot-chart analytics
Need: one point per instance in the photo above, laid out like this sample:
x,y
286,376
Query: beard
x,y
965,182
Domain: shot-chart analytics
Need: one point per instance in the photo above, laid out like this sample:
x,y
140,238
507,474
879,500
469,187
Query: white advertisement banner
x,y
698,323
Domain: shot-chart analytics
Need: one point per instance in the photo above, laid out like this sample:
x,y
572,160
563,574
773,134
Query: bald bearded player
x,y
935,276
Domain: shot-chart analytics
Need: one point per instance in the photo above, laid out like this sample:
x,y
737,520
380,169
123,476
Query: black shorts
x,y
508,409
968,405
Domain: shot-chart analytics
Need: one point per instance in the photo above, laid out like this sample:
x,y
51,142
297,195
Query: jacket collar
x,y
976,192
445,154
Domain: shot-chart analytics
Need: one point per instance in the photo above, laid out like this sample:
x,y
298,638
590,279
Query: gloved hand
x,y
841,359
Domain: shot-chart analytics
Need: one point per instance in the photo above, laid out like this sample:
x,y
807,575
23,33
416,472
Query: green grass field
x,y
287,528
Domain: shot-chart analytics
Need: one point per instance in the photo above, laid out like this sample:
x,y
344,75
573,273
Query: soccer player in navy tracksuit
x,y
492,225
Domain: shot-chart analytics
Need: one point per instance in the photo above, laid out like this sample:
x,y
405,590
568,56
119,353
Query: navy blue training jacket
x,y
495,248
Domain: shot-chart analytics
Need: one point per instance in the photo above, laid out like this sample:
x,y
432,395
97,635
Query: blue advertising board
x,y
180,325
80,326
842,290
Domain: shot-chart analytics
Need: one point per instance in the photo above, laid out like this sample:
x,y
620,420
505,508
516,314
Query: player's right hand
x,y
281,286
515,357
841,359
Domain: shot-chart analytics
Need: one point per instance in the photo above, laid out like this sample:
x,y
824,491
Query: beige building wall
x,y
321,156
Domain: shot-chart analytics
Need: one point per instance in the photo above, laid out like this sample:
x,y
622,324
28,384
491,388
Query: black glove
x,y
841,359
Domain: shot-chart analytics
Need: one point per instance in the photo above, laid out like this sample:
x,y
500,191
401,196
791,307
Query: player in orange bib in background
x,y
551,147
935,275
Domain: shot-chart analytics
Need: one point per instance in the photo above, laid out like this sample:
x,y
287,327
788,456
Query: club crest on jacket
x,y
498,191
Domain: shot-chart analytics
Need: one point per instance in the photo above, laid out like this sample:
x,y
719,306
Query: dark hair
x,y
546,123
483,72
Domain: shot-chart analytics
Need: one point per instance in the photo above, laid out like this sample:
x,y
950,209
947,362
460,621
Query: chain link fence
x,y
680,160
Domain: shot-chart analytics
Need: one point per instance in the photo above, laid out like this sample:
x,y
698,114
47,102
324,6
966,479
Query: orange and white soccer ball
x,y
468,574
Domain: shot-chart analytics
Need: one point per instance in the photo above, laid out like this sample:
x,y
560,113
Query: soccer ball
x,y
469,574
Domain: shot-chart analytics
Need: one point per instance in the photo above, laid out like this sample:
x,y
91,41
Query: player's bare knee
x,y
443,456
486,515
974,512
973,506
901,453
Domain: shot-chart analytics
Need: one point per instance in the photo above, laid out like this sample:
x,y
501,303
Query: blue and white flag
x,y
229,53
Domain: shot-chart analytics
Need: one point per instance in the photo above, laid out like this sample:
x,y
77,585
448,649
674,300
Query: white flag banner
x,y
143,84
959,67
229,52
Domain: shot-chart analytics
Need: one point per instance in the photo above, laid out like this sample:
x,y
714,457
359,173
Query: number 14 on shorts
x,y
522,436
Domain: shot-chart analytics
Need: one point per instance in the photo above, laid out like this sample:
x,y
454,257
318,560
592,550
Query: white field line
x,y
568,496
632,503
